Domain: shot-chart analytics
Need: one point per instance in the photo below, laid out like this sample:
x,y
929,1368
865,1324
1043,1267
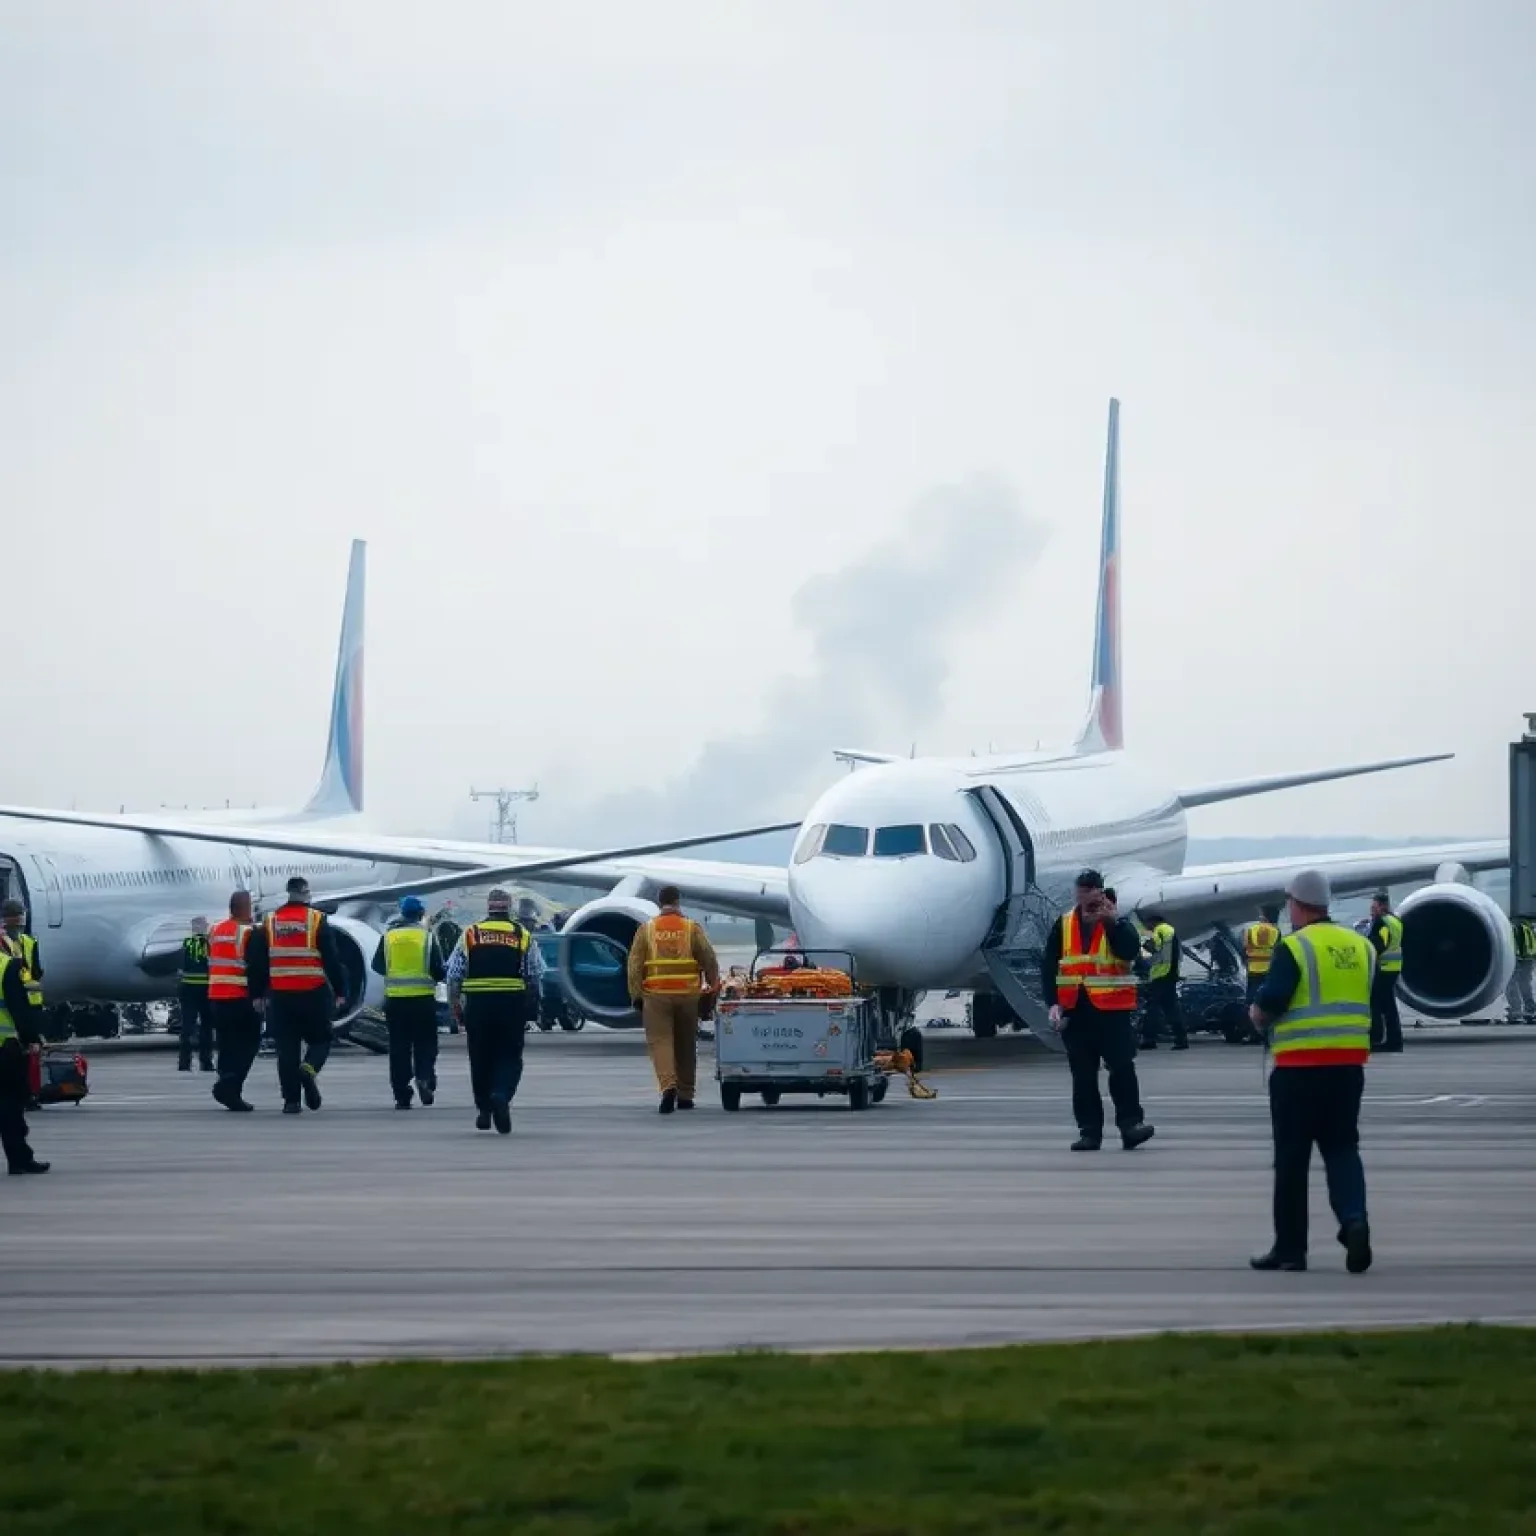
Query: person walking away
x,y
15,940
671,961
293,962
19,1033
1316,1003
192,995
1520,995
493,972
1086,976
1161,991
236,1023
1259,942
411,963
1386,936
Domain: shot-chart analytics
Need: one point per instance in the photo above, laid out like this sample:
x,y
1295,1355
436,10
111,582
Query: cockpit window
x,y
963,845
846,842
899,842
810,844
938,838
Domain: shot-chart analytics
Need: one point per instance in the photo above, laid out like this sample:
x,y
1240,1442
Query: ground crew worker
x,y
493,970
1386,936
1316,1000
292,961
671,961
411,963
18,1032
1090,989
236,1023
1520,996
1160,992
15,939
192,994
1259,941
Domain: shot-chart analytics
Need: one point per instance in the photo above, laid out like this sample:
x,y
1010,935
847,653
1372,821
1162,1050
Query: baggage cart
x,y
774,1037
56,1077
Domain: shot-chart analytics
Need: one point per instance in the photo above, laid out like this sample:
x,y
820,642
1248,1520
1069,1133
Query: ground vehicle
x,y
793,1029
556,1011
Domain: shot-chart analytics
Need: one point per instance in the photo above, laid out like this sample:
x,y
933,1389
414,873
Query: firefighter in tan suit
x,y
670,963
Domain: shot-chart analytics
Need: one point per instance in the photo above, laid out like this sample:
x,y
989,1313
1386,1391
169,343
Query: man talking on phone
x,y
1090,988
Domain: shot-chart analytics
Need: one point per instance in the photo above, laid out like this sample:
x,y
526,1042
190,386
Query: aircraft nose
x,y
881,917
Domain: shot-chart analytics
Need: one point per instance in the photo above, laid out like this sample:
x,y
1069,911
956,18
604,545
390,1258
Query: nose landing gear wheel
x,y
770,1097
858,1094
913,1042
730,1096
879,1090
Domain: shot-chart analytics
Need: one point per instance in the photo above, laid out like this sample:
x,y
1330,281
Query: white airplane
x,y
111,898
947,872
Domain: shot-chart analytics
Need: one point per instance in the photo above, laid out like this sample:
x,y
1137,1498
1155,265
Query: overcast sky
x,y
646,343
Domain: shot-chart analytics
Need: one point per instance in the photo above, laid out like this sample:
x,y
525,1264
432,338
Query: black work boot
x,y
483,1120
1088,1142
35,1166
668,1102
1137,1136
501,1117
1356,1238
426,1092
293,1107
1274,1260
310,1081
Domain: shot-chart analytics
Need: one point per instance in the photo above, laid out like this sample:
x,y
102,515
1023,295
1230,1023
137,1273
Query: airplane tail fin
x,y
340,791
1103,730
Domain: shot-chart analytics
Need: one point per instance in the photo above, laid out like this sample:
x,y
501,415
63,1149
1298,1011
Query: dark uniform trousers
x,y
196,1026
493,1034
301,1030
1160,1002
412,1025
1092,1037
15,1092
238,1029
1386,1022
1321,1105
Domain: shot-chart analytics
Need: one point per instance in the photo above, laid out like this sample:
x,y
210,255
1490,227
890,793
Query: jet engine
x,y
357,940
594,956
1458,953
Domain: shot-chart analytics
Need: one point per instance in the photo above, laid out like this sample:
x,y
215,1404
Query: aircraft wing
x,y
741,889
738,890
1212,893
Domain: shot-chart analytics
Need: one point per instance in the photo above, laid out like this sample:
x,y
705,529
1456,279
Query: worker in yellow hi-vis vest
x,y
411,963
671,961
1386,936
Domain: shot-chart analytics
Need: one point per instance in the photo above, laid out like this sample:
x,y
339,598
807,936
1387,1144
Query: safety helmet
x,y
412,906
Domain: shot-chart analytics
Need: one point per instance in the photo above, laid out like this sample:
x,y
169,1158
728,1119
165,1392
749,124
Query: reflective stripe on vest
x,y
23,948
670,969
1329,1020
1390,960
407,972
8,1029
1163,939
1259,940
194,951
227,979
1525,940
293,937
493,955
1106,979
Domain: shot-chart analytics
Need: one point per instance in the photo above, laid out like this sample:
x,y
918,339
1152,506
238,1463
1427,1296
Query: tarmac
x,y
171,1231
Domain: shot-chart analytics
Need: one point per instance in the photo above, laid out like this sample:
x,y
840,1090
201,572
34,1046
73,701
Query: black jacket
x,y
258,959
1124,944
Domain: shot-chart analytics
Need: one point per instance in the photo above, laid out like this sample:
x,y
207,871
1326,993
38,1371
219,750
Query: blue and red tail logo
x,y
1105,729
341,782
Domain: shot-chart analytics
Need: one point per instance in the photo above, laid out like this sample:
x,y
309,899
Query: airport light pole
x,y
504,826
1522,823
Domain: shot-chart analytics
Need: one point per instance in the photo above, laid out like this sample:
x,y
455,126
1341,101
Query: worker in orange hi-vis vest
x,y
671,962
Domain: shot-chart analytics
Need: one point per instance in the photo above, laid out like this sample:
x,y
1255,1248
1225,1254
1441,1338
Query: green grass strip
x,y
1430,1431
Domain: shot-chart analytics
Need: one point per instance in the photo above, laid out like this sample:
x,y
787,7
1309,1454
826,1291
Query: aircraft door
x,y
53,895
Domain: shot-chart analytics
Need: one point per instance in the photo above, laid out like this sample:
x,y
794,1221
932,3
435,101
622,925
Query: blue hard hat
x,y
411,906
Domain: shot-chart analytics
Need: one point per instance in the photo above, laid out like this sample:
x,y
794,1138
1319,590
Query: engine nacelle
x,y
594,957
1458,953
357,942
